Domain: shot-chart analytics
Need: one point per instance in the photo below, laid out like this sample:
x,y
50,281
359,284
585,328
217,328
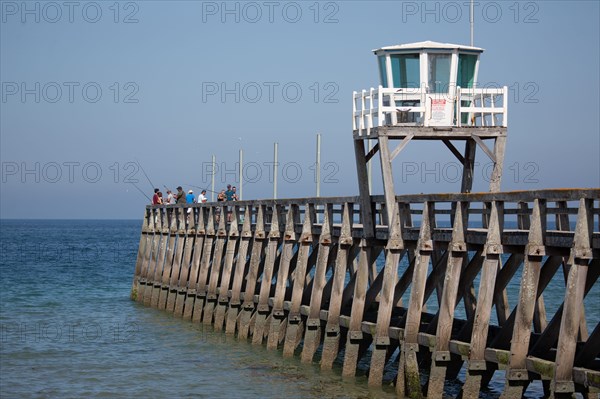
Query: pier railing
x,y
461,107
478,282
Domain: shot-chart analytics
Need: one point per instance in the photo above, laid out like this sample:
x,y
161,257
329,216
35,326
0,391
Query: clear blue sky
x,y
69,151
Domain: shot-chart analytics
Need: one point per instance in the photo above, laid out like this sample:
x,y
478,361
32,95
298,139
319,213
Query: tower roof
x,y
428,45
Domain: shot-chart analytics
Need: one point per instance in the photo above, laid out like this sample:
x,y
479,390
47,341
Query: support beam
x,y
401,146
372,152
454,150
496,177
468,167
388,177
363,188
485,148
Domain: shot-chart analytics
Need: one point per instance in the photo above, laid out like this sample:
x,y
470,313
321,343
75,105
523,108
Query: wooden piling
x,y
190,295
331,341
477,365
205,263
173,290
263,310
256,256
223,299
161,259
186,265
278,314
312,334
151,232
216,267
295,327
240,269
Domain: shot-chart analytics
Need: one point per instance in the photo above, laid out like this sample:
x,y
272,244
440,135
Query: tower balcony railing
x,y
460,107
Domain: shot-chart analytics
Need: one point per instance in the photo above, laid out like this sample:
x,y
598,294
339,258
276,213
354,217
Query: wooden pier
x,y
453,281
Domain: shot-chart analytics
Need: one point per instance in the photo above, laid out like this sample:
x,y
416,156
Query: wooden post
x,y
186,267
278,319
517,376
388,177
394,249
493,249
188,308
580,255
223,300
363,187
145,236
456,260
331,341
258,245
468,166
408,373
152,299
154,236
312,334
204,267
215,270
355,334
295,327
496,177
240,268
166,274
263,309
176,269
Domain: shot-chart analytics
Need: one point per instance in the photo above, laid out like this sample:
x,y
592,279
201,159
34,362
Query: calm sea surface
x,y
69,330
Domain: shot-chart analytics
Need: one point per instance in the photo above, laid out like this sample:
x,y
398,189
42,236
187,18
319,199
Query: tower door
x,y
440,95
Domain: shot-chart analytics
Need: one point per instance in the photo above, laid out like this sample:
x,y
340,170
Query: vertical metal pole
x,y
214,164
472,22
318,165
275,148
370,170
241,173
318,173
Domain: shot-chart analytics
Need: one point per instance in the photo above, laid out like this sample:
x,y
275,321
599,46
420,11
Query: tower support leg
x,y
363,188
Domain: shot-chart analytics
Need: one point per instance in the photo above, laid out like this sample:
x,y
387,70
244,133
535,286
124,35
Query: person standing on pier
x,y
180,197
170,198
202,197
229,193
155,197
190,197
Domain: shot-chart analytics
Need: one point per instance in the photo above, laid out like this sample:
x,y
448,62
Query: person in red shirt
x,y
156,198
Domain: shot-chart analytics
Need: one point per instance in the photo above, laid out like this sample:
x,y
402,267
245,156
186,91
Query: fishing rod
x,y
191,185
203,188
140,190
140,165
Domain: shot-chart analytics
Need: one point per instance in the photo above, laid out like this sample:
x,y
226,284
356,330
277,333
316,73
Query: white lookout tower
x,y
428,91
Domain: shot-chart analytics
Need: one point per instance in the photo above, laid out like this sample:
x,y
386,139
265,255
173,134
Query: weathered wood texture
x,y
452,280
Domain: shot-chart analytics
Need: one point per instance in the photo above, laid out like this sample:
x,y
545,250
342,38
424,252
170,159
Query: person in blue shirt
x,y
190,197
229,193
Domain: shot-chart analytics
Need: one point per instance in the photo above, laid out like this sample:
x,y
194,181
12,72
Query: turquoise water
x,y
68,329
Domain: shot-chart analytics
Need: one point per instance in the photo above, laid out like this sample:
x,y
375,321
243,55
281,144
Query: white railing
x,y
485,107
417,107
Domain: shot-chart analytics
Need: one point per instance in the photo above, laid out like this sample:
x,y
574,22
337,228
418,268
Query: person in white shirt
x,y
202,197
170,198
